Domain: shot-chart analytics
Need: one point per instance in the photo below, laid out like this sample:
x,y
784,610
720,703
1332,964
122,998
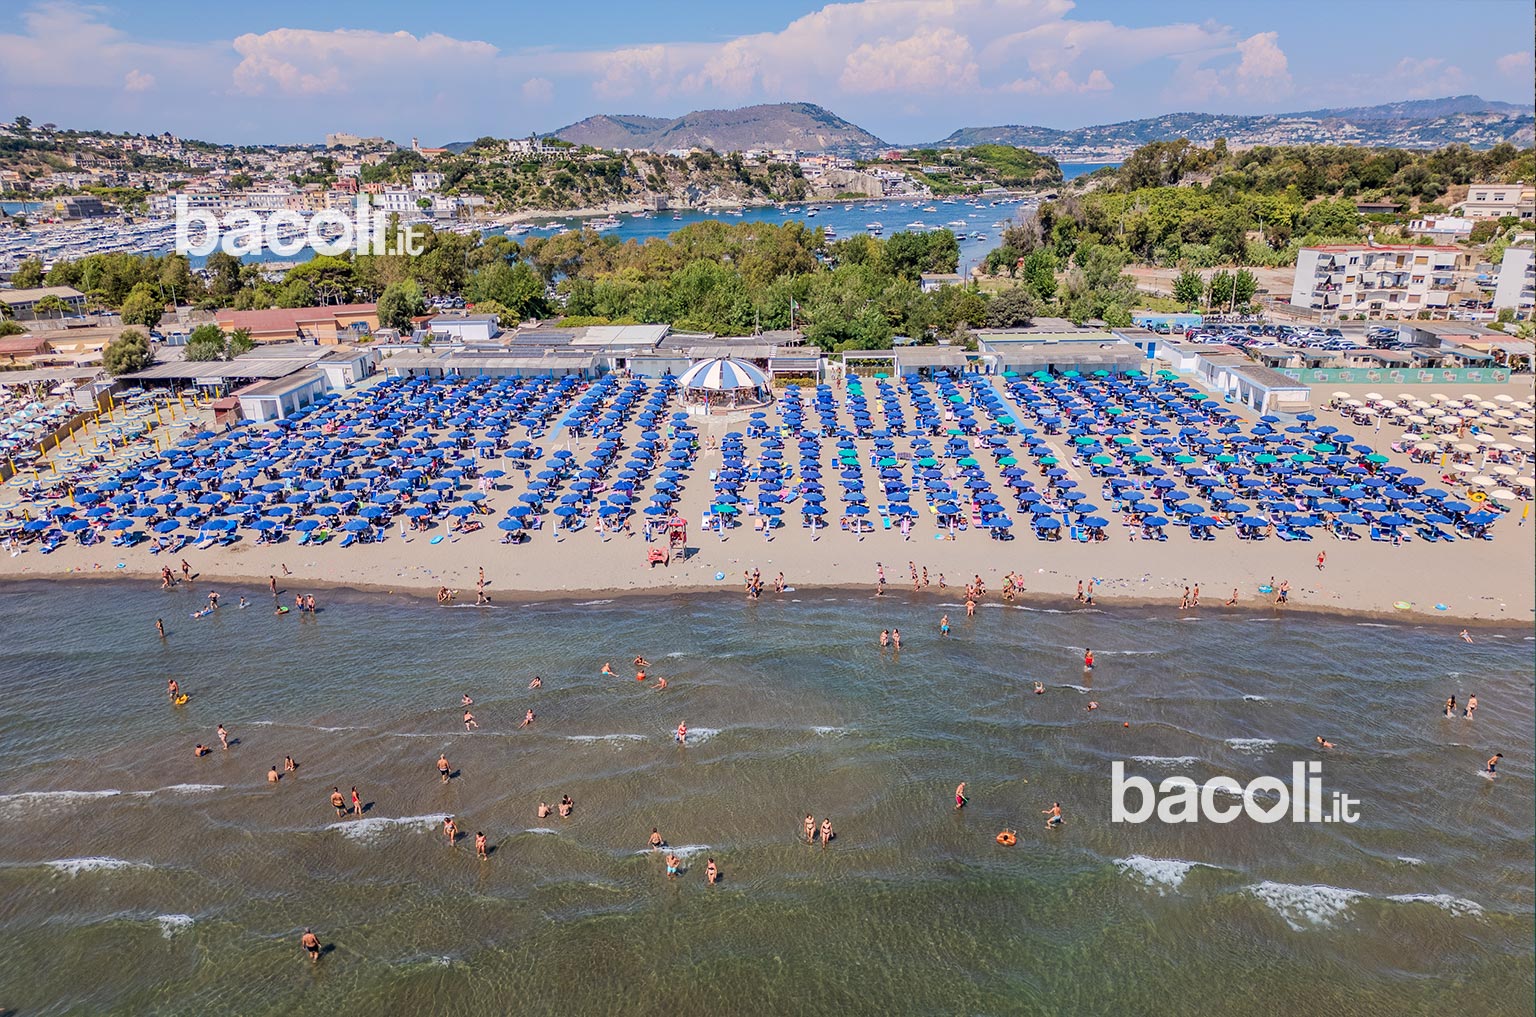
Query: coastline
x,y
1038,601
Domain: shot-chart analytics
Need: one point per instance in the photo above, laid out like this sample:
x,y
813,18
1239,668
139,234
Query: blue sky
x,y
908,70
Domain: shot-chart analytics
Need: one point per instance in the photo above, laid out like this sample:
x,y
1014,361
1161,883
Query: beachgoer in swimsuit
x,y
543,811
273,776
223,736
470,721
289,765
682,733
960,796
1087,660
338,802
172,688
311,944
608,670
467,701
537,683
655,841
1450,707
944,625
566,805
672,864
450,830
1323,743
810,829
1493,764
201,750
826,832
480,848
1039,688
1054,812
1471,706
357,802
711,872
443,767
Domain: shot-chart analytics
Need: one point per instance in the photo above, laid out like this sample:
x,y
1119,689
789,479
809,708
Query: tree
x,y
399,303
143,307
23,125
1013,308
240,341
206,343
50,306
1221,289
1040,273
128,353
1188,287
28,275
9,327
518,289
1244,286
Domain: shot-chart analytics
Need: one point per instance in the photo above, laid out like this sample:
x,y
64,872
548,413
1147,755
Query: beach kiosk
x,y
723,383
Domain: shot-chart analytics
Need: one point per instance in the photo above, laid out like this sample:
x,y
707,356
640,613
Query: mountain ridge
x,y
799,125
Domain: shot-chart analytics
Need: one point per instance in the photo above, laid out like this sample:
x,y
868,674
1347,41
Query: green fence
x,y
1399,375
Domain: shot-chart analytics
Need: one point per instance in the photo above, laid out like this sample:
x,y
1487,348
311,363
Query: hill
x,y
799,125
1421,123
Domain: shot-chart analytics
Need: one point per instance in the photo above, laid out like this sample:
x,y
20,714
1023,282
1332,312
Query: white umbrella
x,y
1502,398
1426,446
1419,404
1504,446
1525,481
1439,397
1485,404
1505,471
1373,395
1503,495
1434,412
1341,395
1482,480
1418,420
1522,439
1463,446
1353,402
1504,414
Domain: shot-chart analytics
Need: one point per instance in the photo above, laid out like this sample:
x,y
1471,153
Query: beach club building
x,y
1050,347
1231,373
267,401
322,326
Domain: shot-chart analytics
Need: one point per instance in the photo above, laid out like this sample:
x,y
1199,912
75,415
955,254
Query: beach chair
x,y
1376,533
349,539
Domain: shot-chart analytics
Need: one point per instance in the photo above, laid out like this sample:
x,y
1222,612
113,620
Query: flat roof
x,y
241,368
450,319
282,386
46,374
36,293
1268,377
930,356
621,335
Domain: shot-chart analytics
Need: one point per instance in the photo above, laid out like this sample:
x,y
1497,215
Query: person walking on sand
x,y
1195,597
1232,600
443,767
338,802
960,798
223,736
357,802
1322,559
311,944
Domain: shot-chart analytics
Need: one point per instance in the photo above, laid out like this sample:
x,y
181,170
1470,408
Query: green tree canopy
x,y
207,342
143,307
399,303
128,353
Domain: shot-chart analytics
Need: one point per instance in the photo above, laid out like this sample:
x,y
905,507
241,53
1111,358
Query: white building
x,y
426,181
1495,201
464,328
266,401
1378,281
1517,281
399,200
1442,228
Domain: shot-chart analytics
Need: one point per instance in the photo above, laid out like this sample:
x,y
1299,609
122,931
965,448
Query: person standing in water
x,y
1493,763
450,830
960,798
826,832
443,767
682,733
944,625
810,828
1471,706
338,802
1087,660
895,639
1054,814
480,846
311,944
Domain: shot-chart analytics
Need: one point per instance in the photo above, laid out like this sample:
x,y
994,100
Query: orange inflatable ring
x,y
1007,838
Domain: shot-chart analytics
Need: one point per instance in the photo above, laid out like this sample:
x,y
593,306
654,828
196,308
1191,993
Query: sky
x,y
289,71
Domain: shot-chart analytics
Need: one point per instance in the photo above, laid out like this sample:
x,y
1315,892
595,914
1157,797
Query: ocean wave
x,y
612,738
23,799
674,654
1161,874
1410,860
591,603
372,828
172,924
192,789
542,830
1305,907
831,732
697,735
1255,699
1078,688
689,850
75,866
1251,745
1167,760
1372,625
1458,906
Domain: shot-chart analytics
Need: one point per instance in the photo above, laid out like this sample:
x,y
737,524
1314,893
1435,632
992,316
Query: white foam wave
x,y
1458,906
1305,907
832,732
172,924
76,866
371,828
23,799
1372,625
1078,688
591,603
699,734
1410,860
689,850
542,830
1256,699
615,739
1167,760
675,654
1251,745
192,789
1161,874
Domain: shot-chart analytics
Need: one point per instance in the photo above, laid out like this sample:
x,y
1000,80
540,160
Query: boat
x,y
829,233
918,225
874,227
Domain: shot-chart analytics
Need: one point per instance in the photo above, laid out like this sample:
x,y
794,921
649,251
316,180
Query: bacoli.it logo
x,y
247,231
1222,799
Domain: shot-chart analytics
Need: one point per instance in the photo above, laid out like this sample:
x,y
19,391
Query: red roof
x,y
19,345
288,319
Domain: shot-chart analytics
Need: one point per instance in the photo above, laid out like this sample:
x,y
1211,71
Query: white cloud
x,y
539,90
1261,72
1515,65
1426,78
1264,65
932,61
295,61
138,81
1061,83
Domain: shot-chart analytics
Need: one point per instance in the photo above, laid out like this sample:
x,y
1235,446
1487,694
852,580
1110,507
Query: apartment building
x,y
1516,288
426,181
1495,201
1378,281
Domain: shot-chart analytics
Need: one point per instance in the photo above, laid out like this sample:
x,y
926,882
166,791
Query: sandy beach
x,y
1464,581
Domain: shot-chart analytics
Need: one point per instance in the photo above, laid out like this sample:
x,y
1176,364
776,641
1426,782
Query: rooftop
x,y
281,319
281,386
37,293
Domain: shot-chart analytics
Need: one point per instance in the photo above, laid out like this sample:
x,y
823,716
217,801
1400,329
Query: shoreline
x,y
727,589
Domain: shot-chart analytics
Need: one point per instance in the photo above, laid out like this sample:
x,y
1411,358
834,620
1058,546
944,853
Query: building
x,y
1495,201
401,201
23,303
426,181
79,206
22,349
1516,288
344,140
1254,385
323,326
267,401
1056,349
1442,229
346,366
1375,280
932,282
464,328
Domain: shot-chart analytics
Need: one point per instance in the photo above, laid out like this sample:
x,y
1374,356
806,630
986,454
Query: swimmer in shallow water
x,y
608,670
1323,743
1039,688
